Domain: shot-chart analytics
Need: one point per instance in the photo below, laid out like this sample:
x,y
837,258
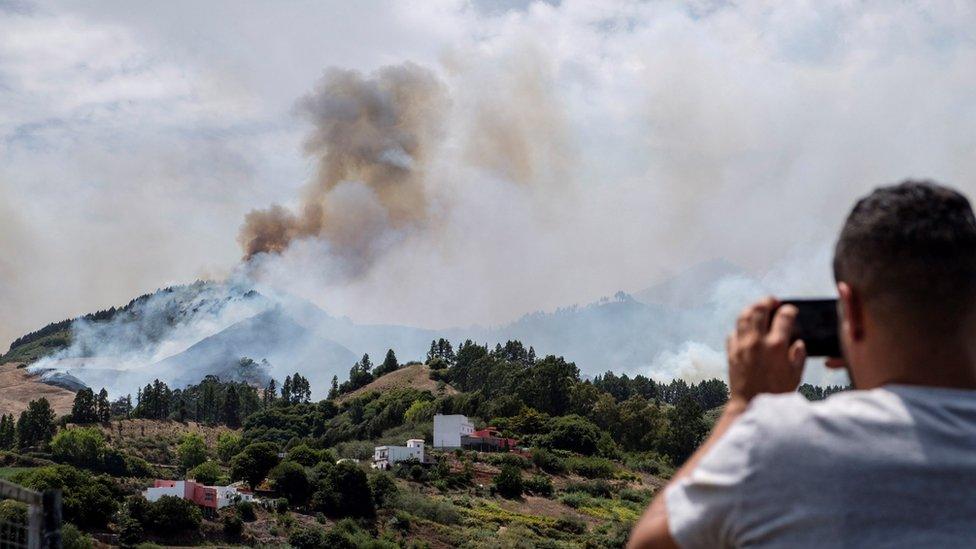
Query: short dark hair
x,y
912,245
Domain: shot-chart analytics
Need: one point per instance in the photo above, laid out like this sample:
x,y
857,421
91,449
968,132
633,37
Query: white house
x,y
448,430
384,456
214,497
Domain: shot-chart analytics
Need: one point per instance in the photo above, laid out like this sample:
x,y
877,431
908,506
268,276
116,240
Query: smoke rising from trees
x,y
372,134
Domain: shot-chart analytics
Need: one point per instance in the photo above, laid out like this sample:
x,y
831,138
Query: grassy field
x,y
7,472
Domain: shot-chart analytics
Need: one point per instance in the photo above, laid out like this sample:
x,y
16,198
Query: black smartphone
x,y
816,325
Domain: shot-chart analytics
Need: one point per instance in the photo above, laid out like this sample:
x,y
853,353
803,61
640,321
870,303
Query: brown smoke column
x,y
377,131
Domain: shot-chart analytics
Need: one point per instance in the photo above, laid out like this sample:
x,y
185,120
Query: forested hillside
x,y
590,454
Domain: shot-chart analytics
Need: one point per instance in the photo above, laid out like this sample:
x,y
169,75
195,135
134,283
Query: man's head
x,y
905,265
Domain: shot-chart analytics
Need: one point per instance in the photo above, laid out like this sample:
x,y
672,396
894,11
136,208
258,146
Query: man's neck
x,y
950,363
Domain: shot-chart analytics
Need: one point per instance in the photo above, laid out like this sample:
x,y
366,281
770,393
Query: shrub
x,y
245,510
344,491
433,509
281,506
308,538
192,451
595,488
508,459
254,462
508,482
87,501
591,467
79,446
291,481
539,485
303,455
207,473
570,524
642,497
574,499
384,489
73,538
548,461
233,526
229,444
572,433
171,514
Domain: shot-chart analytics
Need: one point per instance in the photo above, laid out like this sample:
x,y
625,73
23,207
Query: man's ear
x,y
851,313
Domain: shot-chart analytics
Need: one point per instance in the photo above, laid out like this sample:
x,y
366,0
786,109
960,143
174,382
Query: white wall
x,y
448,430
153,494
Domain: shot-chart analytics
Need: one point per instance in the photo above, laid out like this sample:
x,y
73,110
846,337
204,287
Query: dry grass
x,y
416,376
18,388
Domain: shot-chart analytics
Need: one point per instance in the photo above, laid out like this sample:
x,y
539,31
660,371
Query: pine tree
x,y
286,391
334,389
8,432
102,407
36,424
390,364
83,410
270,394
232,409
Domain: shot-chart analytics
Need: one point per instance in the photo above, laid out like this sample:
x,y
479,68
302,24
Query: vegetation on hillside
x,y
593,454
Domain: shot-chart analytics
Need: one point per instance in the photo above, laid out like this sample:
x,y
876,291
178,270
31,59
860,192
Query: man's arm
x,y
761,360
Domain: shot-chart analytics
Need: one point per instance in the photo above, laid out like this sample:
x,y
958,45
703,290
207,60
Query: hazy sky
x,y
584,147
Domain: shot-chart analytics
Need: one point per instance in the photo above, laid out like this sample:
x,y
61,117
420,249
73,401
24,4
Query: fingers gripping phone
x,y
816,325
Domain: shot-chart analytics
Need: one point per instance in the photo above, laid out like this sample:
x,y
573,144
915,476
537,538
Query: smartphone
x,y
816,325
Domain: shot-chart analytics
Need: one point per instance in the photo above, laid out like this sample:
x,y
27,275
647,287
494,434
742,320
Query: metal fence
x,y
39,528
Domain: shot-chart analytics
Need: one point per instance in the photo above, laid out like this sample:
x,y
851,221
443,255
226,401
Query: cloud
x,y
585,147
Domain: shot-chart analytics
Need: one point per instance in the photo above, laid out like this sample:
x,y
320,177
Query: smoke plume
x,y
372,139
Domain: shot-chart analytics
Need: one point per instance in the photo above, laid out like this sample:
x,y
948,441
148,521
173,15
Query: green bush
x,y
73,538
207,473
433,509
170,515
79,446
571,525
291,481
548,461
502,459
233,526
539,485
245,510
642,497
574,499
384,489
254,462
229,444
572,433
508,483
308,538
87,501
596,488
303,455
192,451
591,467
343,490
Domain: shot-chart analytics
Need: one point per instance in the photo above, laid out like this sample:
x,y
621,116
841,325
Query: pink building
x,y
213,497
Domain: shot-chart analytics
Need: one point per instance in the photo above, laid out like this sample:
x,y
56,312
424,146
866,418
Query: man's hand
x,y
761,359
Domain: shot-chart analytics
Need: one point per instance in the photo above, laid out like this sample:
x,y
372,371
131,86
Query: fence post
x,y
51,538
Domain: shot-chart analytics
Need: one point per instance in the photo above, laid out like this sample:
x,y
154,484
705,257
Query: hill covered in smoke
x,y
180,334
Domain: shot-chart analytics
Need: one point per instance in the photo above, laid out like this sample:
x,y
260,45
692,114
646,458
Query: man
x,y
890,464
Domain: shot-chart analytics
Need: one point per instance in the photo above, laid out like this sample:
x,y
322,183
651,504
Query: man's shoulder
x,y
790,422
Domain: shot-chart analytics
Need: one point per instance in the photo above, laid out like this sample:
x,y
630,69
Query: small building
x,y
488,439
384,456
212,497
448,430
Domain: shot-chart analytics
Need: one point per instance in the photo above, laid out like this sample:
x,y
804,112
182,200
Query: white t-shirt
x,y
889,467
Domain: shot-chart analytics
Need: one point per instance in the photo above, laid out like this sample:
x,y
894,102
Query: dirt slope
x,y
416,376
17,388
